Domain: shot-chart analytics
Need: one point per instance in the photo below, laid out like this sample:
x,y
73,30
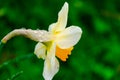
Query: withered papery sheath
x,y
36,35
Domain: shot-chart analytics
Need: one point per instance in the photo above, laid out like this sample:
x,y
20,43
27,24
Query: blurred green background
x,y
95,57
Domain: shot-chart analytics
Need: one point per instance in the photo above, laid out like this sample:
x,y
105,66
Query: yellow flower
x,y
61,45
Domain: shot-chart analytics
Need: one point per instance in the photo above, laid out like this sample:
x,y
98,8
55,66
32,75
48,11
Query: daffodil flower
x,y
61,46
58,41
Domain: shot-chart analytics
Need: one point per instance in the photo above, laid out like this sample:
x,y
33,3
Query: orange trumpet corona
x,y
63,53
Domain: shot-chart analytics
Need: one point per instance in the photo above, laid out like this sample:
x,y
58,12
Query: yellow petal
x,y
63,53
40,50
51,64
69,37
62,20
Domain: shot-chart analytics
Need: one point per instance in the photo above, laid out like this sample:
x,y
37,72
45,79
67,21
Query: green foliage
x,y
95,57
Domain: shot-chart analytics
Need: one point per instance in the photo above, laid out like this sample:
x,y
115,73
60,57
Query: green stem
x,y
1,45
15,75
21,58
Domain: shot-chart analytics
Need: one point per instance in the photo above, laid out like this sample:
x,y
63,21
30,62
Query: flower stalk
x,y
1,45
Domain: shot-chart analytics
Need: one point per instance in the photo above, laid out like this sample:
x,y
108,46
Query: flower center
x,y
63,53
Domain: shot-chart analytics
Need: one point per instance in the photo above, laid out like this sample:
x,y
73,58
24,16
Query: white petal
x,y
69,37
62,17
51,64
52,28
40,50
62,20
50,69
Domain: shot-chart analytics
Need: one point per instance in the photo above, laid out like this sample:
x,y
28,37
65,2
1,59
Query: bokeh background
x,y
95,57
